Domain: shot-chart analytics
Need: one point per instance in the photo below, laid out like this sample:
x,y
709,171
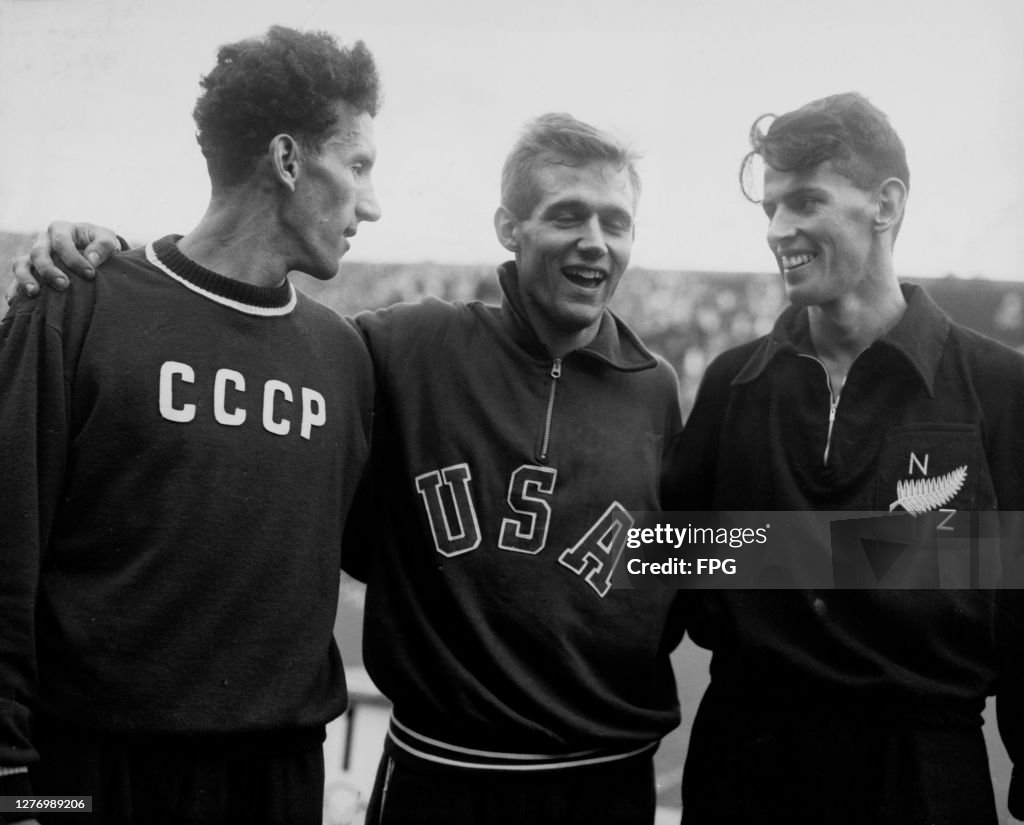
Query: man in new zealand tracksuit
x,y
850,705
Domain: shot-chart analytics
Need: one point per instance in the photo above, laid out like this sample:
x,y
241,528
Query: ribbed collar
x,y
265,301
919,337
615,343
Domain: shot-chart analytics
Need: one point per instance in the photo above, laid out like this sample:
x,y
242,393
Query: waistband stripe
x,y
434,750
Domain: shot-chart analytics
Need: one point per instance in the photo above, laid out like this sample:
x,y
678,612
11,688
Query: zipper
x,y
833,404
545,445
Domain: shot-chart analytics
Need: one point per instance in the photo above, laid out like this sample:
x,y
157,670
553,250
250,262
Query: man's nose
x,y
367,207
781,227
592,240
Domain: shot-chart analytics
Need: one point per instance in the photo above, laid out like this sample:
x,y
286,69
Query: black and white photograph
x,y
512,414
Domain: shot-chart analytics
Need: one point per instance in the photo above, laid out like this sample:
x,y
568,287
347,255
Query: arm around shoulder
x,y
64,248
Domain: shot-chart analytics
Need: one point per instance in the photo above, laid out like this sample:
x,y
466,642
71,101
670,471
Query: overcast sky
x,y
96,100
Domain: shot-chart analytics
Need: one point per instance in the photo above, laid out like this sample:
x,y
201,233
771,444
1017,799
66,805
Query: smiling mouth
x,y
584,276
792,262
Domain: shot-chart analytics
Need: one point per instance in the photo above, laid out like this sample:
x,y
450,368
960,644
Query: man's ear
x,y
506,226
892,197
283,153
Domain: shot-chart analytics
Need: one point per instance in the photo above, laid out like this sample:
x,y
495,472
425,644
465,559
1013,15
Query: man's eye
x,y
617,225
566,218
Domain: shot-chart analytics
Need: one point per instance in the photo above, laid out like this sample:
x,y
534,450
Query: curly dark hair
x,y
846,129
284,81
557,138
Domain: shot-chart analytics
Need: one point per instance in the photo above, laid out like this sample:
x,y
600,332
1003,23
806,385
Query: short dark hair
x,y
846,129
284,81
557,138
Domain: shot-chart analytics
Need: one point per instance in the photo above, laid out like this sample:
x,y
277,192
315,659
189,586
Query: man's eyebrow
x,y
576,205
804,191
570,204
795,194
353,143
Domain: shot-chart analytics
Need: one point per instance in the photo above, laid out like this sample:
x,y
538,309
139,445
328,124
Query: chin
x,y
579,321
326,270
800,291
798,296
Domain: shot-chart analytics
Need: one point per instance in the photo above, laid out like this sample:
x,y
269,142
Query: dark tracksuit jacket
x,y
927,399
179,454
505,481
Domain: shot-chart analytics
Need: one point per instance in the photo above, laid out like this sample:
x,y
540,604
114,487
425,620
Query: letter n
x,y
598,552
450,509
916,462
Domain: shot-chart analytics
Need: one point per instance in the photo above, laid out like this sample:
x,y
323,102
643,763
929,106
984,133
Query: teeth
x,y
793,261
588,274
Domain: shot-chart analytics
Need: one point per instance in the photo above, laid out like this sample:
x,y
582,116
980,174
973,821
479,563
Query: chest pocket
x,y
933,467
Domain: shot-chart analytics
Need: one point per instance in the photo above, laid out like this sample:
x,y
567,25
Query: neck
x,y
561,344
842,329
238,238
558,341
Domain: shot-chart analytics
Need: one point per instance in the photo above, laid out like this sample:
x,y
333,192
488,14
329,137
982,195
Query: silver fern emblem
x,y
919,495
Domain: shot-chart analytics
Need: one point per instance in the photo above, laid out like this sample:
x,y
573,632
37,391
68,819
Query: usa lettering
x,y
447,499
276,404
450,509
596,555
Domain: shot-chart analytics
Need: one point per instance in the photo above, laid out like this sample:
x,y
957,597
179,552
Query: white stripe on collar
x,y
248,309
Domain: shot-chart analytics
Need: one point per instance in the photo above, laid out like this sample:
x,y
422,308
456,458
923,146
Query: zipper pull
x,y
556,368
832,404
